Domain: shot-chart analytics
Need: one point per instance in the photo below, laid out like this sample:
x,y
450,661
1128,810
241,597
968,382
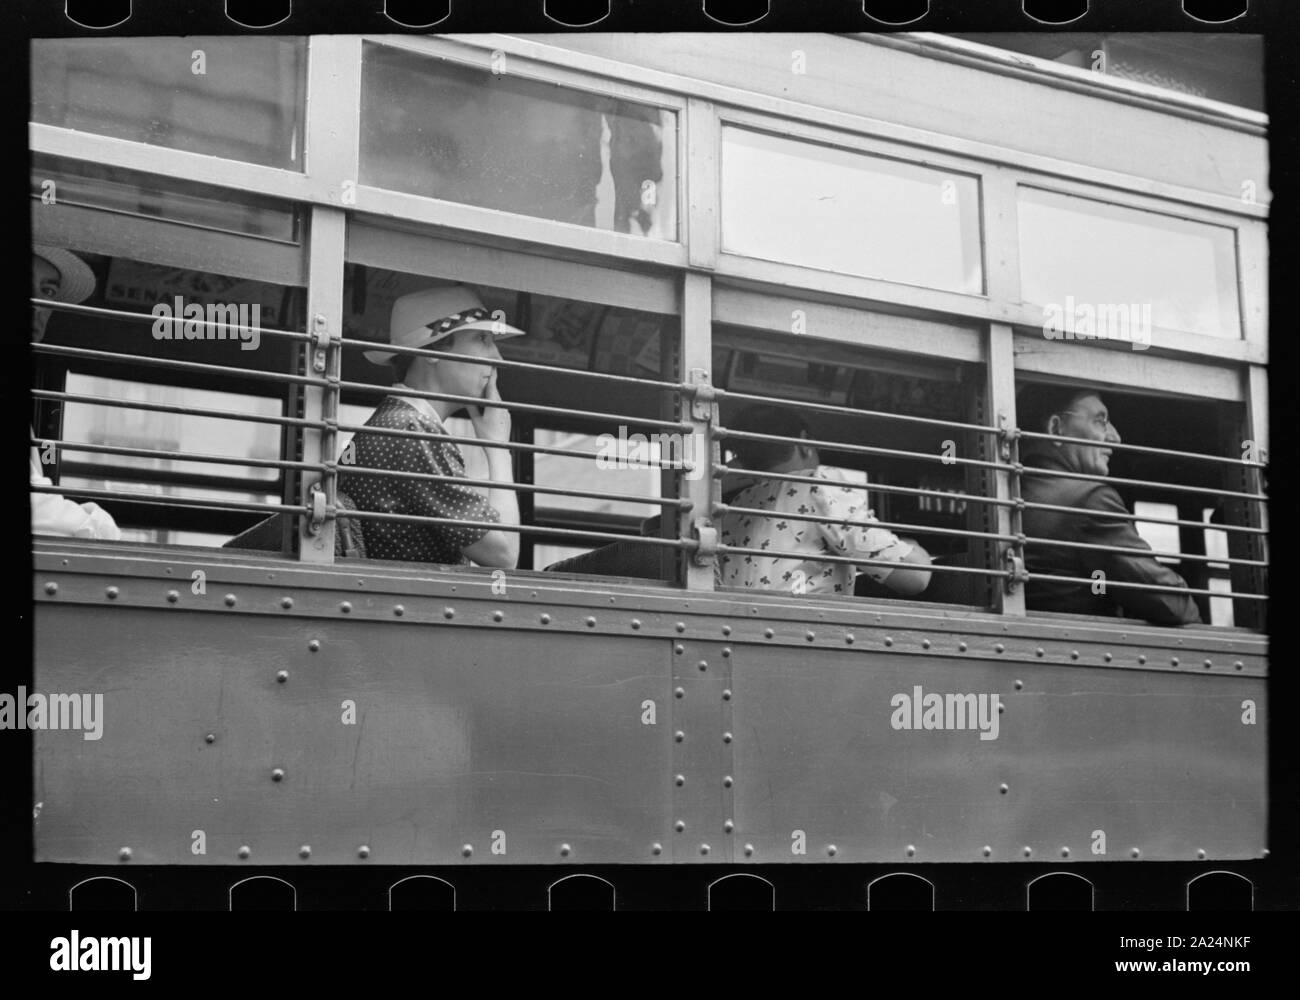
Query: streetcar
x,y
868,230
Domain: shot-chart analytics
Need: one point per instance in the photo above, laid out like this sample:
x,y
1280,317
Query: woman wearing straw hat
x,y
454,320
61,276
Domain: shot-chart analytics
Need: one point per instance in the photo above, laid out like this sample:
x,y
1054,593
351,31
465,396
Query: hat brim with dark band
x,y
499,329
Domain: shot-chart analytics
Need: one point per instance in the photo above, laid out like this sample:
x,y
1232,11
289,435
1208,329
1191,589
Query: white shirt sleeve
x,y
53,514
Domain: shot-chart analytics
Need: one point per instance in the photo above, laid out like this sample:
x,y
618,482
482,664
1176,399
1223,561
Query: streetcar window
x,y
838,210
237,98
1110,272
481,136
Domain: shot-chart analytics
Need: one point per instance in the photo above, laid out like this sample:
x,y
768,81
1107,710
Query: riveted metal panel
x,y
702,745
1149,765
297,740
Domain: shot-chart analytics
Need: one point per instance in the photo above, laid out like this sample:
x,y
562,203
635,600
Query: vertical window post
x,y
699,409
1009,599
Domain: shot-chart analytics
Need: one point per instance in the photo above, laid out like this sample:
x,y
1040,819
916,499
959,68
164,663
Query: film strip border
x,y
76,17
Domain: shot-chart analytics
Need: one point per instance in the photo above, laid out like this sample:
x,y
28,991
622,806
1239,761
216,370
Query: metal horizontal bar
x,y
862,449
181,456
188,411
558,411
851,412
370,515
851,561
365,470
171,501
190,366
1091,547
505,445
1142,448
1030,470
169,477
1240,529
531,366
1159,587
721,470
722,508
139,317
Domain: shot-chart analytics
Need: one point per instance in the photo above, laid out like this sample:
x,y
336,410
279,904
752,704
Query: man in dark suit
x,y
1074,412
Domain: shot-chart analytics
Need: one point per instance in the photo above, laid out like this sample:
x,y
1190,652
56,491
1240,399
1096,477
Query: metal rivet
x,y
1142,658
726,652
767,633
888,641
304,851
399,610
565,850
345,606
832,850
286,602
1263,852
1001,708
1065,852
728,781
680,780
704,848
925,643
125,854
244,851
656,849
545,619
679,649
282,676
111,592
449,613
1027,851
363,851
591,623
999,648
1201,853
1107,657
498,616
1238,665
210,738
703,664
988,851
726,630
1135,852
911,851
1209,664
679,692
1039,651
277,774
1074,654
961,647
849,638
680,626
53,588
1004,788
728,826
726,694
726,737
1173,661
679,826
636,622
231,600
314,645
679,736
173,596
467,850
749,850
810,635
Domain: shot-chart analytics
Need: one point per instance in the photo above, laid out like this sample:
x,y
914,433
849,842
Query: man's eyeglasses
x,y
1101,421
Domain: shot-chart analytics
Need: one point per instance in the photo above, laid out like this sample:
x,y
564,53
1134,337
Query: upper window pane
x,y
237,98
838,210
1097,262
465,134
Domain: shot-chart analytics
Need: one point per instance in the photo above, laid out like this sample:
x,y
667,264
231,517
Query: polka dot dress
x,y
435,543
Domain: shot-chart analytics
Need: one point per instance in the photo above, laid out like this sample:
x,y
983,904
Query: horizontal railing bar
x,y
1142,448
1240,529
189,411
1158,587
722,470
139,317
71,467
1128,550
722,508
851,412
370,515
1030,470
182,456
860,449
171,501
557,411
190,366
656,384
852,561
366,470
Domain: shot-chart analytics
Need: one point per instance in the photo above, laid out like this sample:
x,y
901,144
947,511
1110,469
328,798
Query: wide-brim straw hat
x,y
76,279
426,317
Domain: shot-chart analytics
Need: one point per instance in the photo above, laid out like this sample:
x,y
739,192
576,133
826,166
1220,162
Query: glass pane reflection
x,y
465,134
837,210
